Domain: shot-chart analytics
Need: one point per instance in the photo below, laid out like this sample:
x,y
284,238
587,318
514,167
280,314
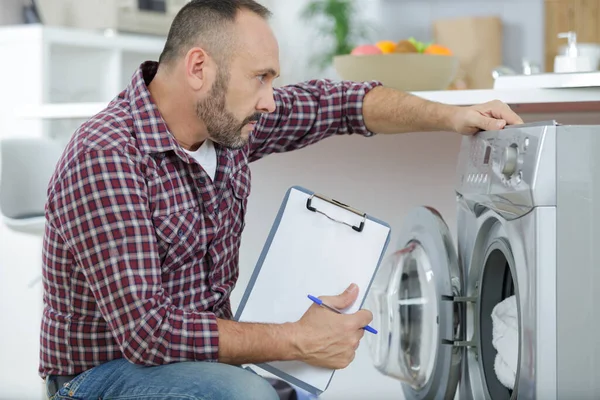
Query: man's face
x,y
242,90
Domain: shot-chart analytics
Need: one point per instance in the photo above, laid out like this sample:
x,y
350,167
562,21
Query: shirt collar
x,y
151,131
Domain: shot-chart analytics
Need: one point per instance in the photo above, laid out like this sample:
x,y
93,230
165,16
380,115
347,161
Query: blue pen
x,y
320,302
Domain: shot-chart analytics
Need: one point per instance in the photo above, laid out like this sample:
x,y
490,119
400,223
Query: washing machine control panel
x,y
496,161
500,162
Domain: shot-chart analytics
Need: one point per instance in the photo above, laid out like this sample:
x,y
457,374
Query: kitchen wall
x,y
522,22
399,19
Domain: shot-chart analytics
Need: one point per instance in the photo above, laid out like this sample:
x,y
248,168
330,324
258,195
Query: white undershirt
x,y
206,156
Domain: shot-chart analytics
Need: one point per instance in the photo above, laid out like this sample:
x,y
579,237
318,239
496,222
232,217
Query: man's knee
x,y
230,382
248,385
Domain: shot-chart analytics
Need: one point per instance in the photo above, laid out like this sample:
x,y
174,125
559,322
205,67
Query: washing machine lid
x,y
420,320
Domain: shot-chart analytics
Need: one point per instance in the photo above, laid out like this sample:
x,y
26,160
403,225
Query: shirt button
x,y
180,233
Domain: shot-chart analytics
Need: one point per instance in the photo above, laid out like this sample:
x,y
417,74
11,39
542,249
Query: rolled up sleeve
x,y
309,112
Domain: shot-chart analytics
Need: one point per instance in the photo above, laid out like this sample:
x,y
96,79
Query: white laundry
x,y
506,340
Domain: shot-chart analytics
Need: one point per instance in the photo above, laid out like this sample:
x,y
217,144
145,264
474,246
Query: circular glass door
x,y
409,300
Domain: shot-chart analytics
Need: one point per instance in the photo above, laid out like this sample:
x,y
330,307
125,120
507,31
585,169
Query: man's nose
x,y
267,103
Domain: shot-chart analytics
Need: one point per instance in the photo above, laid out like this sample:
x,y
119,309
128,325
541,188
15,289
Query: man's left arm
x,y
311,111
387,110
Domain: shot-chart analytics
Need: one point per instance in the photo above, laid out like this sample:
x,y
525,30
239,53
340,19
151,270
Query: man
x,y
146,208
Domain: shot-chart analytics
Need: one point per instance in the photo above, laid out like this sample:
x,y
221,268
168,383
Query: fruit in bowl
x,y
437,49
403,46
406,46
408,65
414,46
386,46
366,49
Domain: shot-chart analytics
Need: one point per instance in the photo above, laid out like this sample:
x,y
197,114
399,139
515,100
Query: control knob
x,y
510,160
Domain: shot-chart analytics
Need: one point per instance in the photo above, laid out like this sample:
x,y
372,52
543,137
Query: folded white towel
x,y
506,340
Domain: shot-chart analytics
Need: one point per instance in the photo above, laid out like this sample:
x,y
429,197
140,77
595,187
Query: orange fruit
x,y
438,49
386,46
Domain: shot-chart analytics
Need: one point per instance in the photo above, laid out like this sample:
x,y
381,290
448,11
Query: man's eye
x,y
262,78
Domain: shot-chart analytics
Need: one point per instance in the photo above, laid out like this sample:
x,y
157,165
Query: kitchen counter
x,y
526,100
529,101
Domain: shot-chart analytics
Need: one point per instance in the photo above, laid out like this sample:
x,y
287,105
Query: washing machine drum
x,y
417,306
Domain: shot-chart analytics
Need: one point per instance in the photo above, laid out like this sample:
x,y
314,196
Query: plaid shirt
x,y
140,252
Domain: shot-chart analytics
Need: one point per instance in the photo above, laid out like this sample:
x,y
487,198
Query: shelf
x,y
62,66
90,39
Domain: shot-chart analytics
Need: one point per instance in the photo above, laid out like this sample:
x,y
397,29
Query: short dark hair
x,y
205,22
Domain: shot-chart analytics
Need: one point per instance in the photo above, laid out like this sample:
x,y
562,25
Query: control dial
x,y
510,159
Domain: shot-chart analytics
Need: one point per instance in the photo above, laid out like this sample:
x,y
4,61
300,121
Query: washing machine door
x,y
413,303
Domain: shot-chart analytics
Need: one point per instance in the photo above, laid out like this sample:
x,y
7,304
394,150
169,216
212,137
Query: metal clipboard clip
x,y
342,205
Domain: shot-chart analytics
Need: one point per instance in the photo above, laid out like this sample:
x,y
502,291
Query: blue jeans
x,y
120,379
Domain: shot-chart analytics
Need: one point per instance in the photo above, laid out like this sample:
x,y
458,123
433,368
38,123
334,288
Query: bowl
x,y
402,71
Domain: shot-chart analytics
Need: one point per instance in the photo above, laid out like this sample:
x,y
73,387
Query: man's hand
x,y
321,337
326,339
490,116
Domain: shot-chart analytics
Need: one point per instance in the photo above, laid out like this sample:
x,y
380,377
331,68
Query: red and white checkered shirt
x,y
140,253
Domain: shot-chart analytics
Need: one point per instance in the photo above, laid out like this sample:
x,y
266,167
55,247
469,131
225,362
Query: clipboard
x,y
316,246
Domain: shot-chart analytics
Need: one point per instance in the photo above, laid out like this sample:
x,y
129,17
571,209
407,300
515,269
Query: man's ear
x,y
197,68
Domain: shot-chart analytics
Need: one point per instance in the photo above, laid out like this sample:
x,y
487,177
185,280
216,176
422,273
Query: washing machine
x,y
527,241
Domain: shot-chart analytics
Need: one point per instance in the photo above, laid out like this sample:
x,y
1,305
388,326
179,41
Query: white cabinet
x,y
62,65
47,65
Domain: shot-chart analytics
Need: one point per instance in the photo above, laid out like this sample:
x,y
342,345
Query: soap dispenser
x,y
571,61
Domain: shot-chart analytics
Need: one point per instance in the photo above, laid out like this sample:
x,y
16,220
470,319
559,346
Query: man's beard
x,y
222,125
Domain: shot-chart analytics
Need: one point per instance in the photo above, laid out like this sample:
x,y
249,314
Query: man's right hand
x,y
326,339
